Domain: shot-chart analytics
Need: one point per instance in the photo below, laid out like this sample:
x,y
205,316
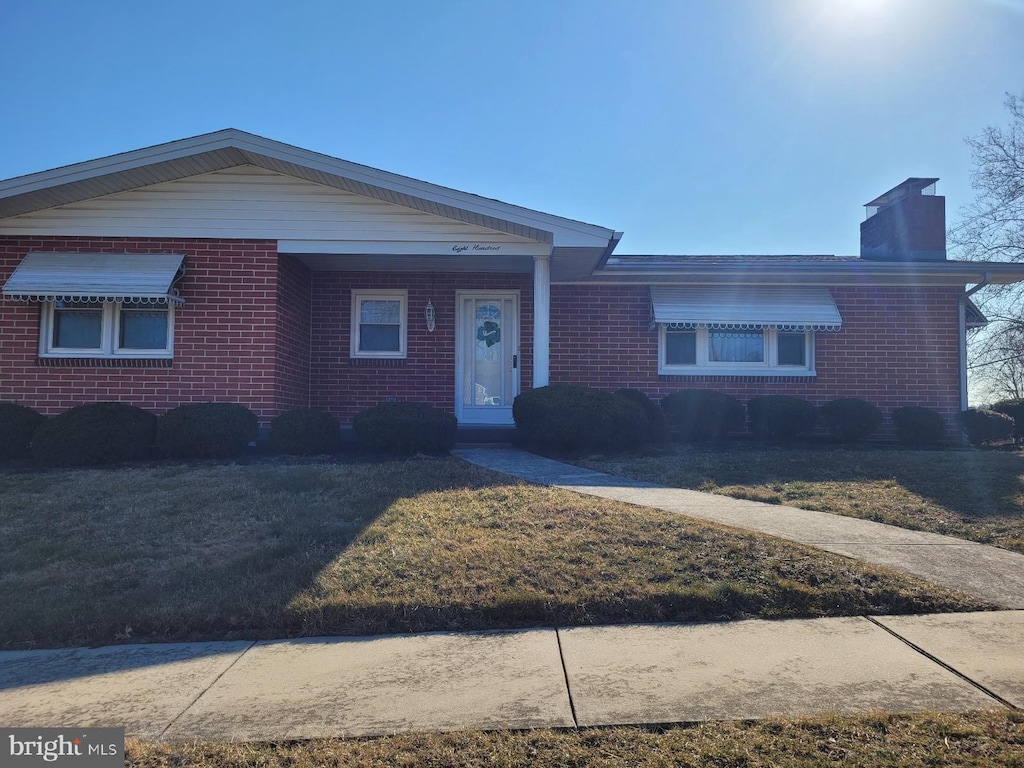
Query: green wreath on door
x,y
489,333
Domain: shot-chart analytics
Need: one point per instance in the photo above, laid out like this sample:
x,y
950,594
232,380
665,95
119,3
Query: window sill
x,y
748,373
378,362
105,362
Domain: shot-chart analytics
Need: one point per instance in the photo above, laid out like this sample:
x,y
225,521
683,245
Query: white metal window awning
x,y
787,308
132,278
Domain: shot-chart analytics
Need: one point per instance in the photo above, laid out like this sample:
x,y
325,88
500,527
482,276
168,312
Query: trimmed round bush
x,y
405,427
694,415
986,426
304,433
781,417
1015,410
206,431
93,434
918,426
17,424
578,418
657,429
850,419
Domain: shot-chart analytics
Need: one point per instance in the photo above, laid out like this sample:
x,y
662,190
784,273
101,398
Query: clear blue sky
x,y
702,126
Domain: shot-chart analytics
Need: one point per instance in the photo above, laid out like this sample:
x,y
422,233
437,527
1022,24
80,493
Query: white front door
x,y
486,357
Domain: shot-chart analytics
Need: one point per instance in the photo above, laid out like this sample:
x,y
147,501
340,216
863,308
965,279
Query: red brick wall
x,y
225,335
344,386
264,332
898,346
291,370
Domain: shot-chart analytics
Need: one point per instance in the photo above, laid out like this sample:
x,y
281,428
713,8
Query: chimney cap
x,y
912,186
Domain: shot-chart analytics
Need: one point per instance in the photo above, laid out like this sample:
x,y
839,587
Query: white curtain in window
x,y
736,346
380,312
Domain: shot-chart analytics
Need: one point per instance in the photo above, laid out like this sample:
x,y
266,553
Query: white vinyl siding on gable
x,y
251,202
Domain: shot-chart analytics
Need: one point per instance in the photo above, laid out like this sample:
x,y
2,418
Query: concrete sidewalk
x,y
991,573
343,687
555,677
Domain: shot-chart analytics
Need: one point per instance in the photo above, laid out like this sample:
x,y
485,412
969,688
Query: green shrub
x,y
918,426
781,417
405,428
986,426
657,429
97,433
850,419
1015,410
579,418
17,423
304,433
206,431
694,415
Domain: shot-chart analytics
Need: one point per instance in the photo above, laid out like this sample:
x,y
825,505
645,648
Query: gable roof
x,y
230,148
580,251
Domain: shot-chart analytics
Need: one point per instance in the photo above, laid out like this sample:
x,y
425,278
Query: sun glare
x,y
864,6
858,12
849,35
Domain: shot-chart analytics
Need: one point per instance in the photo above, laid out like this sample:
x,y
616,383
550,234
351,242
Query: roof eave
x,y
841,273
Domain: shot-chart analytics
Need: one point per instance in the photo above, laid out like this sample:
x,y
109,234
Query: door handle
x,y
515,362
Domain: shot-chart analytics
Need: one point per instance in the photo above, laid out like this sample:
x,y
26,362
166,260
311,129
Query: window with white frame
x,y
379,324
734,351
740,330
106,329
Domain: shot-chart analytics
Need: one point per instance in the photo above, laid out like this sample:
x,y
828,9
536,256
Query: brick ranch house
x,y
229,267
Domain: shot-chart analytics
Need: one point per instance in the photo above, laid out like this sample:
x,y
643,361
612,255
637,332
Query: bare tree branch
x,y
992,229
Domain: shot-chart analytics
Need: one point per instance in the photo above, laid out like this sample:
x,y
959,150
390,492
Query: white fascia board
x,y
462,248
843,273
124,161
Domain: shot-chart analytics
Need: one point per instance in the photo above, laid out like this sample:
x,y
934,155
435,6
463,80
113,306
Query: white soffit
x,y
143,278
463,249
744,306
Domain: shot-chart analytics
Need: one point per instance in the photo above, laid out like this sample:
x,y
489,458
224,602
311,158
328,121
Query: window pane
x,y
379,338
680,347
736,346
380,312
143,329
77,325
792,349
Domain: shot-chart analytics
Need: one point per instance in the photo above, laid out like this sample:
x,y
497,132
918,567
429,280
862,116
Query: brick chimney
x,y
907,223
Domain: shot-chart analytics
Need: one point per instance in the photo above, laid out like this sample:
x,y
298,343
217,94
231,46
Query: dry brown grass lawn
x,y
976,495
279,550
974,739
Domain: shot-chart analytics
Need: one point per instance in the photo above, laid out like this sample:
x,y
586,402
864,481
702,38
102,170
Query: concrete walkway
x,y
564,677
991,573
331,687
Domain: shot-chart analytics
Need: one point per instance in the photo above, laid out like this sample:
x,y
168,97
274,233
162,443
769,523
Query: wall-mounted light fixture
x,y
430,315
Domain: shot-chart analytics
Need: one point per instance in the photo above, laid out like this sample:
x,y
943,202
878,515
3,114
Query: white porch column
x,y
541,320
